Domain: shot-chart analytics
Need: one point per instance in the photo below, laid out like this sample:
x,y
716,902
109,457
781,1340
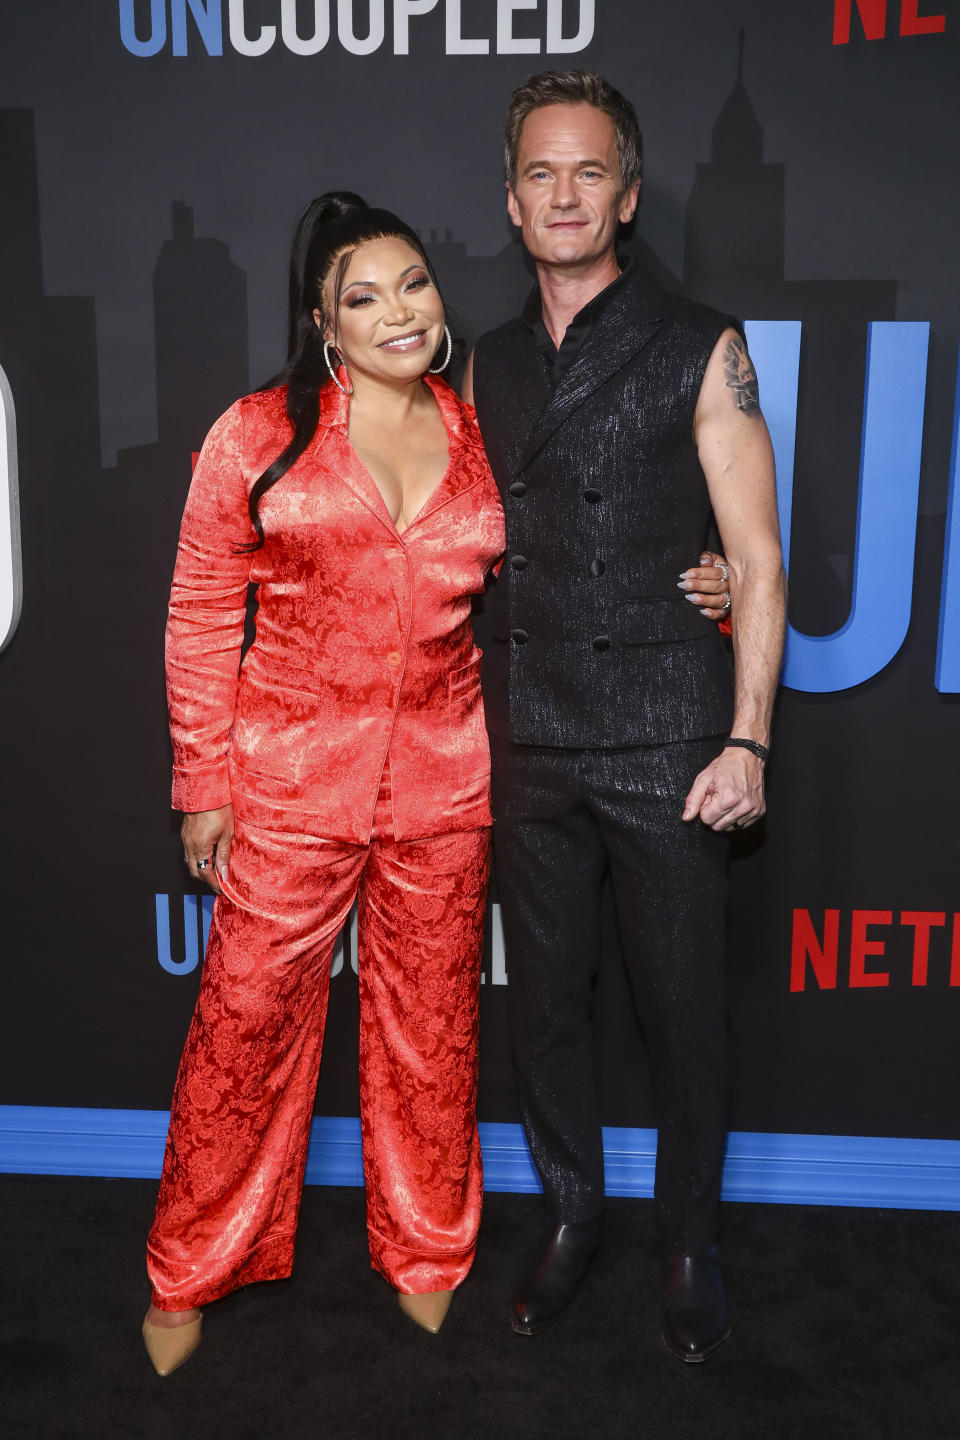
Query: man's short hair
x,y
576,87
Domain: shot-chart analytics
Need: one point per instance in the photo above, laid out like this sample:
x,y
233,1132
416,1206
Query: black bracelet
x,y
754,746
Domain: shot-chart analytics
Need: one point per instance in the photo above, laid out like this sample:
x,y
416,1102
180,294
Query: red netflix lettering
x,y
861,947
923,922
807,946
912,23
873,18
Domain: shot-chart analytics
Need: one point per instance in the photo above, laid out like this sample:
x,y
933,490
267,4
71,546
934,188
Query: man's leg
x,y
550,864
669,882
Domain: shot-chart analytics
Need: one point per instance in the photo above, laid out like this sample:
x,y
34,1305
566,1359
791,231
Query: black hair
x,y
328,232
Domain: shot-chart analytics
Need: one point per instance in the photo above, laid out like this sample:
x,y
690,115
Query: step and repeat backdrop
x,y
801,172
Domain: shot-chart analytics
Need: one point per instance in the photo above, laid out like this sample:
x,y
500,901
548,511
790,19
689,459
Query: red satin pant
x,y
237,1146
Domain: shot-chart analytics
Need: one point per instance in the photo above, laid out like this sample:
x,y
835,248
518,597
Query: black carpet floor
x,y
847,1324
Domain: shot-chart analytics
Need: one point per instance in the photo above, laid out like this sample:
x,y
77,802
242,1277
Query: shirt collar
x,y
532,312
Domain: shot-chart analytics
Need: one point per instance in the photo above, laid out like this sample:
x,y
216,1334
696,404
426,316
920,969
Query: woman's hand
x,y
708,586
207,836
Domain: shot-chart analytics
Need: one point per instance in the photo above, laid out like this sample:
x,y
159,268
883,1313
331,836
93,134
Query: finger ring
x,y
726,571
202,864
726,601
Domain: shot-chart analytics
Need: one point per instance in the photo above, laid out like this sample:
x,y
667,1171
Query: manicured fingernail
x,y
705,612
684,584
705,559
694,599
684,574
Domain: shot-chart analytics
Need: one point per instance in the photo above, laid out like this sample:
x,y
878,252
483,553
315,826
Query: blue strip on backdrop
x,y
785,1169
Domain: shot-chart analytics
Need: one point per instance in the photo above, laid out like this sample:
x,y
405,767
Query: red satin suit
x,y
353,749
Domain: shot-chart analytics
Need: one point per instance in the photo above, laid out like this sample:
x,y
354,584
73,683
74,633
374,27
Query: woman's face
x,y
390,321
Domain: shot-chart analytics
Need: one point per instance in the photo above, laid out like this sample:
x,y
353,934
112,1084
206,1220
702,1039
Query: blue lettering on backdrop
x,y
158,28
885,542
209,22
948,647
197,914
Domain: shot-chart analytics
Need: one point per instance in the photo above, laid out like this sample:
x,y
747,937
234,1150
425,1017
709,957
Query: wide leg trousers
x,y
562,820
237,1145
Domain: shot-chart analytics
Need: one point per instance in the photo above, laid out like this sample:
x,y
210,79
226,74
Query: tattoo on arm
x,y
742,378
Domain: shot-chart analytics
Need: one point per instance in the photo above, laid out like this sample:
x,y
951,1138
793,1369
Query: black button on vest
x,y
519,562
601,642
592,497
519,637
597,568
518,488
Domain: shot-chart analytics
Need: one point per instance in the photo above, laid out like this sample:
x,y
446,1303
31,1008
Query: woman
x,y
347,760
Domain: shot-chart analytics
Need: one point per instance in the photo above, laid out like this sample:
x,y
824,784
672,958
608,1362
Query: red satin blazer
x,y
364,644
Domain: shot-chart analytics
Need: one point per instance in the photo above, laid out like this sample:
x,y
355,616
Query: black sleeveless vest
x,y
605,501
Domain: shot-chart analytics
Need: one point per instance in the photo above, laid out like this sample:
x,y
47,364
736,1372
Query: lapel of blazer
x,y
622,329
465,465
334,450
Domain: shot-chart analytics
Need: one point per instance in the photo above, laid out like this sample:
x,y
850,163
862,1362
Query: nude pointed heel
x,y
167,1347
429,1310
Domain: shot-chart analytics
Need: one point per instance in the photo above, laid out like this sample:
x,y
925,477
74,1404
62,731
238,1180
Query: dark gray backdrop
x,y
148,207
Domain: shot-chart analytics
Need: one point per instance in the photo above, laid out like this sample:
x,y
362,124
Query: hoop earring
x,y
439,368
327,347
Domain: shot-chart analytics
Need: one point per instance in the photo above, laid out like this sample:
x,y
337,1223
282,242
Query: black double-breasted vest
x,y
606,503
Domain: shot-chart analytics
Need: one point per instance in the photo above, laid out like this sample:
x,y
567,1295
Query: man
x,y
616,419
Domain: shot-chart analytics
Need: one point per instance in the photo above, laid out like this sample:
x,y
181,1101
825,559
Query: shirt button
x,y
601,642
518,488
597,568
518,562
519,637
592,496
394,658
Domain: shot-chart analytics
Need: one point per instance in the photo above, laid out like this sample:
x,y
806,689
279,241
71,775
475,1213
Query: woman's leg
x,y
236,1149
421,916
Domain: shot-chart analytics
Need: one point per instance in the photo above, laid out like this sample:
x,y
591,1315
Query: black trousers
x,y
562,819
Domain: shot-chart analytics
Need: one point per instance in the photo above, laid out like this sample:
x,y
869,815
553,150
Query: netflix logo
x,y
924,946
873,19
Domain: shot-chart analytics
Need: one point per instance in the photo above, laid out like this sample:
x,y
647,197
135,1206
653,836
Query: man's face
x,y
567,196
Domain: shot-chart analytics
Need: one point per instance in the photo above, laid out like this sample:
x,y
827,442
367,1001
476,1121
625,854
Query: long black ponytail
x,y
329,230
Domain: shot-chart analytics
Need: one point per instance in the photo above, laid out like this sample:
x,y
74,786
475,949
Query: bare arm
x,y
737,458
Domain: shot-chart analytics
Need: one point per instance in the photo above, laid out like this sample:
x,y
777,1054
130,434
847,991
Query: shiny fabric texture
x,y
237,1145
606,503
353,749
564,819
364,642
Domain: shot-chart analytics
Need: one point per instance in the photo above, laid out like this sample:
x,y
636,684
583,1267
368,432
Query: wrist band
x,y
754,746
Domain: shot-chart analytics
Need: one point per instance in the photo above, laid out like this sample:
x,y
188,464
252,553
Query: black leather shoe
x,y
548,1282
696,1322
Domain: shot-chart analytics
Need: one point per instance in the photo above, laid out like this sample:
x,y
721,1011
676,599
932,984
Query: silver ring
x,y
727,601
202,864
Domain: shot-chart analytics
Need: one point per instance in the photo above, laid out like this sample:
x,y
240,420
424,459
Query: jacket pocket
x,y
657,621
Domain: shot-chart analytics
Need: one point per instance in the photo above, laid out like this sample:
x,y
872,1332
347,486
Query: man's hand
x,y
207,836
708,586
728,794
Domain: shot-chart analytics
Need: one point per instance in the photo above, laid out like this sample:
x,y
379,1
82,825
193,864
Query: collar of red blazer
x,y
467,464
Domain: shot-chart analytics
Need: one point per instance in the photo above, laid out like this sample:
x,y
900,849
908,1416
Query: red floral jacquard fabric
x,y
363,643
353,749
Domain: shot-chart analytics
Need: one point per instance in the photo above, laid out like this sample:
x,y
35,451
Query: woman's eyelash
x,y
417,283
